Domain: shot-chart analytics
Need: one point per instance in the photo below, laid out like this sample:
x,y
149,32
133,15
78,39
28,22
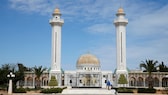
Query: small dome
x,y
57,11
88,59
120,10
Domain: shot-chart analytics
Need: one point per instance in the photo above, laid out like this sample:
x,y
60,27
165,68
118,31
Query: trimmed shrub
x,y
122,79
146,90
53,81
124,90
115,88
20,90
52,90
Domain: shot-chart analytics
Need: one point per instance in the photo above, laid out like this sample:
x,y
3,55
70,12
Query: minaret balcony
x,y
56,20
121,21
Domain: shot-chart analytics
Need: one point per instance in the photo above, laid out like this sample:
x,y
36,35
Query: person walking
x,y
108,84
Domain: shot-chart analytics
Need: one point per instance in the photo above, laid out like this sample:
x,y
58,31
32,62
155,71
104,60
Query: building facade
x,y
138,78
88,71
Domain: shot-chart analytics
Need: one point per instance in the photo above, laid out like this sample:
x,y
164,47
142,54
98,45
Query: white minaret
x,y
56,23
120,24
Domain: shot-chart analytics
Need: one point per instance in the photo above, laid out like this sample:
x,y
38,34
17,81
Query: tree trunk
x,y
150,84
38,84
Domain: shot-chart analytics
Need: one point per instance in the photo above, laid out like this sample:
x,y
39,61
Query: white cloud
x,y
151,23
88,10
32,6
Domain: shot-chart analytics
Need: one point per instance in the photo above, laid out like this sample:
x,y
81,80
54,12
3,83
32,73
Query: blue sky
x,y
25,33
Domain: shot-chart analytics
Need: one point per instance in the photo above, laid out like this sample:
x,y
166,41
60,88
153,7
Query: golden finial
x,y
57,11
120,10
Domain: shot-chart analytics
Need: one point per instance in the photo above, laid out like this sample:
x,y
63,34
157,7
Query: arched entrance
x,y
29,81
156,82
140,82
44,81
165,82
149,81
132,81
88,80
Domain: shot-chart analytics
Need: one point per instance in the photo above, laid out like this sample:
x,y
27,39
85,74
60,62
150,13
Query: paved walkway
x,y
80,94
87,91
84,91
86,94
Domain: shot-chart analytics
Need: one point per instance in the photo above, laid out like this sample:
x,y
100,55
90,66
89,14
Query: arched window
x,y
165,82
44,81
29,81
156,82
140,82
132,81
146,82
70,81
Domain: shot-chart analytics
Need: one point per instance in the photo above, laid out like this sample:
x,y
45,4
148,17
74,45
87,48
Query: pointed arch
x,y
146,81
156,82
165,82
29,81
44,81
132,81
140,81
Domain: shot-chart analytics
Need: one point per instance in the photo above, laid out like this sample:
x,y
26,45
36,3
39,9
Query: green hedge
x,y
124,90
146,90
52,90
3,87
20,90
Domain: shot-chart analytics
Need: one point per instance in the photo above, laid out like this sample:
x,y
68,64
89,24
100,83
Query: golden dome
x,y
57,11
120,10
88,59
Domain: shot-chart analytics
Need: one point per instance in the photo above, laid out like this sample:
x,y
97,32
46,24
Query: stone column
x,y
33,82
144,82
25,82
160,82
10,87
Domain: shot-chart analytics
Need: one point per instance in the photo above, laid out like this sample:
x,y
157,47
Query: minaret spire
x,y
120,23
56,24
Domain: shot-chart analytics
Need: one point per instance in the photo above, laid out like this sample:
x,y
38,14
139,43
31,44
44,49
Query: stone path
x,y
86,94
84,91
87,91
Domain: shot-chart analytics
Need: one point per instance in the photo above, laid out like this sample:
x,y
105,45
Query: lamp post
x,y
10,76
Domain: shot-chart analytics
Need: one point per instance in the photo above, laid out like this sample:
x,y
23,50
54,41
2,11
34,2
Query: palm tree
x,y
163,67
149,66
20,74
38,72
